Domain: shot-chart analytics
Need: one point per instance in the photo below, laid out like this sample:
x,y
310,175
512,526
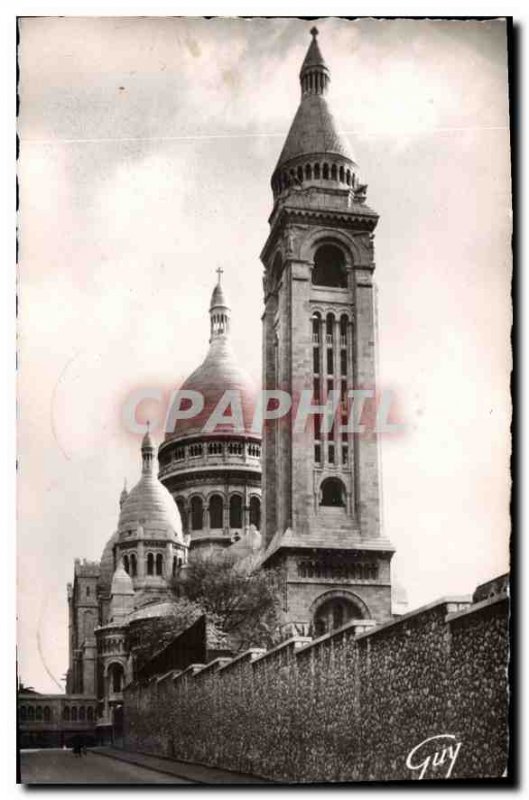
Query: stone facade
x,y
321,488
53,720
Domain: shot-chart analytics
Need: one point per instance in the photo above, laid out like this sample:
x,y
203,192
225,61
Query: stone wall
x,y
350,706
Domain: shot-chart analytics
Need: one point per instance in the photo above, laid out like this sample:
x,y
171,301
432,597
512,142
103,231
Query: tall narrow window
x,y
126,564
235,511
255,512
159,564
216,512
133,565
150,564
197,514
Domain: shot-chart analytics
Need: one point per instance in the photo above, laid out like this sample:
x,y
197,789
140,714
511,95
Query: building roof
x,y
149,510
121,581
217,374
314,131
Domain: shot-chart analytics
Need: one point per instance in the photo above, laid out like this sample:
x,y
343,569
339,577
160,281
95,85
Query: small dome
x,y
121,582
163,608
217,298
150,509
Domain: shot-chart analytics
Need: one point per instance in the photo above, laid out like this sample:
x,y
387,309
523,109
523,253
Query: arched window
x,y
316,172
47,713
308,172
133,565
31,712
116,677
325,172
329,267
66,713
342,175
159,564
334,613
197,514
175,564
82,713
334,174
316,323
150,564
255,512
22,712
38,713
332,493
126,564
74,714
180,502
235,511
216,512
348,177
90,714
300,174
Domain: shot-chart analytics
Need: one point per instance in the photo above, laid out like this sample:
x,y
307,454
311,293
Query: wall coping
x,y
458,599
295,642
489,601
86,698
189,671
248,655
171,674
215,665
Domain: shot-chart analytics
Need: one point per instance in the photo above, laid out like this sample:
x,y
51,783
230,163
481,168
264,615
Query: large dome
x,y
218,373
106,565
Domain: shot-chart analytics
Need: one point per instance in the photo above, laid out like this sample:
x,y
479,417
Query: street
x,y
62,766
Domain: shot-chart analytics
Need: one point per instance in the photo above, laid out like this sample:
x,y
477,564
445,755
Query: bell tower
x,y
321,493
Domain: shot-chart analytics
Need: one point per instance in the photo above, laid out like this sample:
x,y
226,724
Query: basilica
x,y
307,503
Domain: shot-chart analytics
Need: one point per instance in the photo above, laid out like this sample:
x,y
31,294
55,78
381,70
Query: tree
x,y
241,599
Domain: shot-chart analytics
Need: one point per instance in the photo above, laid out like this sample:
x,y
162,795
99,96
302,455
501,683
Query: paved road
x,y
61,766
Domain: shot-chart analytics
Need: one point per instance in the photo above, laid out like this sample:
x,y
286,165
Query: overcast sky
x,y
147,147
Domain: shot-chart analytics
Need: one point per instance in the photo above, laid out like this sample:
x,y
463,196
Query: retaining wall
x,y
350,706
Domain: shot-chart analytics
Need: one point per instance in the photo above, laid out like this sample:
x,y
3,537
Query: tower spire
x,y
314,75
147,452
219,311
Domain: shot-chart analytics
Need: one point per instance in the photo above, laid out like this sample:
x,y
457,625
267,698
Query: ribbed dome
x,y
149,506
121,582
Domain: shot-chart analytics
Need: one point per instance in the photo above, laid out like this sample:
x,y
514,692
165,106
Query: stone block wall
x,y
350,706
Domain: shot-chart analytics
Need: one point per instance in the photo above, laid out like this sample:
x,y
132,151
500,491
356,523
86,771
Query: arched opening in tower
x,y
329,267
332,493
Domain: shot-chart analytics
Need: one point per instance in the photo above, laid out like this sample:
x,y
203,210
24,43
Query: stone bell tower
x,y
321,483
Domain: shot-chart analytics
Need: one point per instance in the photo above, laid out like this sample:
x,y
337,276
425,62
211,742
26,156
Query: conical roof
x,y
313,57
121,582
314,131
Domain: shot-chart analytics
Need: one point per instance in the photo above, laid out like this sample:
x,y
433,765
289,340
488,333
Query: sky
x,y
147,147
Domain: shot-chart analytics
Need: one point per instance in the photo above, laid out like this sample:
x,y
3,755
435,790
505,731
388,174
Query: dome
x,y
163,608
218,373
121,582
106,565
150,506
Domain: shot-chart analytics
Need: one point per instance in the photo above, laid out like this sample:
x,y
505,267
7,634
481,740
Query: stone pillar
x,y
141,560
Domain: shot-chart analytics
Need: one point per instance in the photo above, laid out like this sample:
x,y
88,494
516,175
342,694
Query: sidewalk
x,y
197,773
